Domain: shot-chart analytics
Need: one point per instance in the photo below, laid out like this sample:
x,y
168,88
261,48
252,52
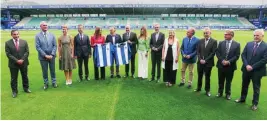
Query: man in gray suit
x,y
46,46
17,51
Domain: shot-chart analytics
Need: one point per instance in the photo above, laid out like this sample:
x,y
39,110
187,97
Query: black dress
x,y
169,74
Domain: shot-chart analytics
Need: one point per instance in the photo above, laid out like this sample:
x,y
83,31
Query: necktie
x,y
128,35
227,49
16,44
256,45
81,37
45,38
206,43
189,41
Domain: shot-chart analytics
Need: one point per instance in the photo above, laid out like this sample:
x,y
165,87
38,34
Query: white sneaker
x,y
70,81
67,83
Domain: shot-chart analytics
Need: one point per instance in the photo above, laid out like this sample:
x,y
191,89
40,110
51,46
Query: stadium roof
x,y
114,2
134,9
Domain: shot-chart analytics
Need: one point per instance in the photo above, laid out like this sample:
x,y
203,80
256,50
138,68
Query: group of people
x,y
164,54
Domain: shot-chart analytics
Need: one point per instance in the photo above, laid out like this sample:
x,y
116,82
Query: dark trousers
x,y
202,69
51,64
225,76
156,61
256,81
81,60
169,75
132,65
14,78
102,72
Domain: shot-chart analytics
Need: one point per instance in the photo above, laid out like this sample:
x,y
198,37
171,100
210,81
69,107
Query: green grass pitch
x,y
122,98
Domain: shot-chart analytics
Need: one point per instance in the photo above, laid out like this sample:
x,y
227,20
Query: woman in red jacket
x,y
97,38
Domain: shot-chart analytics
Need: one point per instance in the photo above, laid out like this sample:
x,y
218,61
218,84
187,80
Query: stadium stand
x,y
33,22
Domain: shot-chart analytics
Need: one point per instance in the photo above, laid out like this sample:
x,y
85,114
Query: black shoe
x,y
219,95
133,76
240,101
189,86
126,76
54,85
14,94
112,76
118,76
45,86
181,84
228,97
151,80
158,80
254,107
27,91
208,94
197,90
81,79
87,79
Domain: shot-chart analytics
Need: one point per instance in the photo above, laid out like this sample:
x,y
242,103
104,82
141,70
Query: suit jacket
x,y
207,53
117,39
133,39
14,55
258,61
82,47
189,49
157,44
232,57
41,46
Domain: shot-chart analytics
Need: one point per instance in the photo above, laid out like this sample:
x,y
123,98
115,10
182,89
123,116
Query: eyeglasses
x,y
205,33
256,35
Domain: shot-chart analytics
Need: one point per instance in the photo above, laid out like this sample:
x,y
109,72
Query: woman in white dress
x,y
143,48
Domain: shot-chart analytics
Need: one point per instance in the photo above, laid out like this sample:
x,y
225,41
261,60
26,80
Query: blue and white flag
x,y
122,53
103,55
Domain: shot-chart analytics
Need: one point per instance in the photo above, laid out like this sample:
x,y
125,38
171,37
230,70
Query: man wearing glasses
x,y
205,51
228,53
189,52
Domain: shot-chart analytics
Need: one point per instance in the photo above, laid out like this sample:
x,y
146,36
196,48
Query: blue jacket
x,y
42,48
189,49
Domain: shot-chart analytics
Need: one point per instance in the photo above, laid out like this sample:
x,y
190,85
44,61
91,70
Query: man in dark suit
x,y
206,52
254,59
113,38
82,51
156,43
131,38
17,51
228,53
46,46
